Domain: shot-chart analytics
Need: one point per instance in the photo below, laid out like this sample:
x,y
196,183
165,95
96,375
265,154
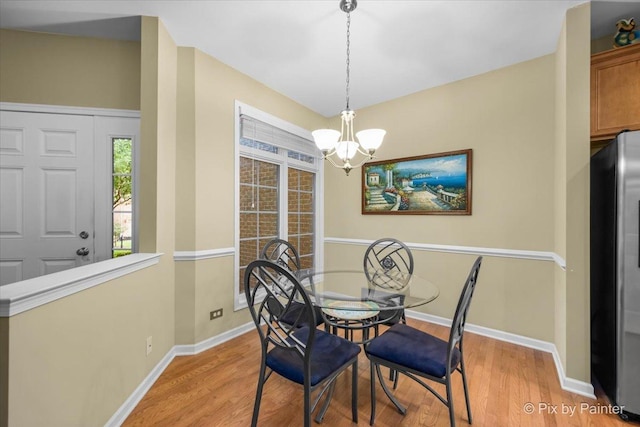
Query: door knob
x,y
82,252
84,235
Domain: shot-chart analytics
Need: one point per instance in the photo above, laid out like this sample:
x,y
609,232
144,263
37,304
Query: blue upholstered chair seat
x,y
296,351
289,364
414,349
296,308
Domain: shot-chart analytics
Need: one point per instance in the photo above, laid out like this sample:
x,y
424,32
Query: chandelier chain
x,y
342,144
348,52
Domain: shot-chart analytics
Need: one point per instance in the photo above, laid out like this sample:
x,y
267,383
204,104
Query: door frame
x,y
101,165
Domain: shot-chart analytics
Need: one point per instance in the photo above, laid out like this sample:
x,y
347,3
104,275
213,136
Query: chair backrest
x,y
281,291
281,252
460,316
388,263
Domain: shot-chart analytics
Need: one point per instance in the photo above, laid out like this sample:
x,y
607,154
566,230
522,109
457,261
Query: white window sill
x,y
28,294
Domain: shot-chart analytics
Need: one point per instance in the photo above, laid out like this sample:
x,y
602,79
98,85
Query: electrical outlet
x,y
215,314
149,345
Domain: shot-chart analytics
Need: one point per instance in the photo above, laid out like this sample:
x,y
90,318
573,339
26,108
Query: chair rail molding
x,y
467,250
203,254
28,294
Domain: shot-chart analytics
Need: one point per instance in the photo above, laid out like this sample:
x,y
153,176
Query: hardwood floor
x,y
217,388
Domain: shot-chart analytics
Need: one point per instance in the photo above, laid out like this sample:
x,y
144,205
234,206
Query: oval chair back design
x,y
285,255
281,252
388,265
388,258
283,295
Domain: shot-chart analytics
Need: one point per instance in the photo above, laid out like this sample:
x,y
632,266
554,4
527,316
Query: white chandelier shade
x,y
326,139
371,139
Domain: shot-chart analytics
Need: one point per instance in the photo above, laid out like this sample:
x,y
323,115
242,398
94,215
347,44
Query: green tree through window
x,y
122,209
121,172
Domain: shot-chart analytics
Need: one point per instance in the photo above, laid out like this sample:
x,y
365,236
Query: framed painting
x,y
433,184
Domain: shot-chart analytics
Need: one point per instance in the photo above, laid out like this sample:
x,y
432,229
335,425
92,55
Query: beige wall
x,y
79,358
73,362
560,196
528,125
186,164
158,135
40,68
205,214
573,136
218,86
513,295
507,118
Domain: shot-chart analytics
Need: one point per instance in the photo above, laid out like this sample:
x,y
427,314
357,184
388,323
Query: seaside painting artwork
x,y
434,184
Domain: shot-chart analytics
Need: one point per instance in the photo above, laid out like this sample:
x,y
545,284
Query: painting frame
x,y
430,184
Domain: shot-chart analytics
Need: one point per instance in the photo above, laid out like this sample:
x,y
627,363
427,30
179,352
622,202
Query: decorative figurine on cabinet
x,y
627,34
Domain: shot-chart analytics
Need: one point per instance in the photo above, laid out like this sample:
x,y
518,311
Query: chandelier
x,y
342,144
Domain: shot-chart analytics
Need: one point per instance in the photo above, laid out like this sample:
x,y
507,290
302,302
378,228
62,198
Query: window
x,y
122,192
278,194
116,210
301,213
259,210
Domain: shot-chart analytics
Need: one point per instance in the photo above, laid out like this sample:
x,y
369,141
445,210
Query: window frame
x,y
107,129
134,208
284,162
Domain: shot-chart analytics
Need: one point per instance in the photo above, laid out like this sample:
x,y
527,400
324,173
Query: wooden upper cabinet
x,y
615,92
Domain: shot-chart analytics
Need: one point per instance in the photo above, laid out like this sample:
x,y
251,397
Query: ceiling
x,y
298,48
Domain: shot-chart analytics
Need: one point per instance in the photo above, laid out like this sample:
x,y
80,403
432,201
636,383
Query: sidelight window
x,y
122,192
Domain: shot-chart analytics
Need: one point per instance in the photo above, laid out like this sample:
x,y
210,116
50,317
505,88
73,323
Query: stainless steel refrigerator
x,y
615,271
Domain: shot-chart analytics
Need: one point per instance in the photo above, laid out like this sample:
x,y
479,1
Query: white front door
x,y
46,193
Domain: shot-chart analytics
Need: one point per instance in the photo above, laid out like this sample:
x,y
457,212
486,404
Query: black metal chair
x,y
302,354
388,265
285,254
281,252
418,354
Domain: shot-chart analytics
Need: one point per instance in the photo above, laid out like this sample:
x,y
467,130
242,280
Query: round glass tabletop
x,y
365,295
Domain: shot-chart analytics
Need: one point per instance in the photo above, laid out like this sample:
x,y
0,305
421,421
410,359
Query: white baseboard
x,y
191,349
569,384
177,350
129,405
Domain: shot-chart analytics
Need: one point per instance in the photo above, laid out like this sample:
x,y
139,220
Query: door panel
x,y
10,271
11,215
46,165
59,194
48,266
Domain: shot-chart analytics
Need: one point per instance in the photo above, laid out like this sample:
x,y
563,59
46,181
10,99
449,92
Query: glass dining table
x,y
357,302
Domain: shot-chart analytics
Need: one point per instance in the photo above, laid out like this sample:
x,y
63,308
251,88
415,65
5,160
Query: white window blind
x,y
257,130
